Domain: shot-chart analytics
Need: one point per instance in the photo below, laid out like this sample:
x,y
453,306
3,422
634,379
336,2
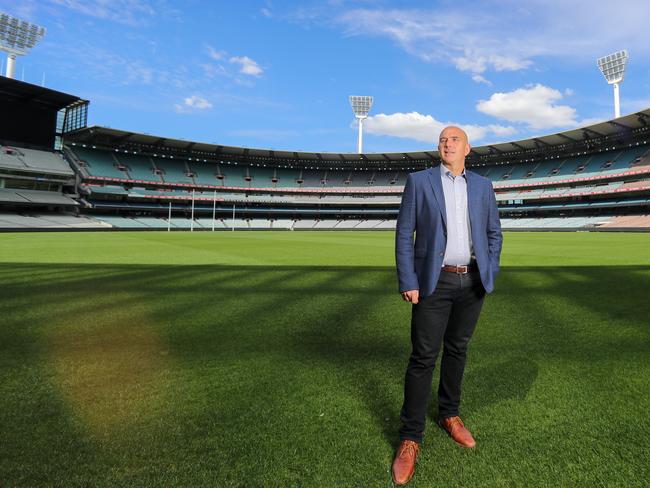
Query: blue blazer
x,y
423,211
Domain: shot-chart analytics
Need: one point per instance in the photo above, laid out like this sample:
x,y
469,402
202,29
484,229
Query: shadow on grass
x,y
262,333
497,382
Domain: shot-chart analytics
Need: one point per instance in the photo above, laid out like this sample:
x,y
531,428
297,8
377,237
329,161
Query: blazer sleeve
x,y
494,235
404,253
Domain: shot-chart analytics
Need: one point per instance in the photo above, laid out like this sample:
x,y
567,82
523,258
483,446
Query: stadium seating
x,y
151,182
551,223
100,163
152,222
555,171
233,176
172,171
31,160
106,189
35,197
627,222
204,174
135,167
48,221
139,167
59,221
285,224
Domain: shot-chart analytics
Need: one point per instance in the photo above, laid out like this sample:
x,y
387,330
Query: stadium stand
x,y
343,197
101,163
35,197
627,222
138,167
12,221
596,178
33,161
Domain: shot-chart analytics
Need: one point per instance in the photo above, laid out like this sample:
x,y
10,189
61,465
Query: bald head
x,y
452,129
453,146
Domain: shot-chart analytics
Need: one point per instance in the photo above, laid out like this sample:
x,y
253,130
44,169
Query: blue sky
x,y
278,75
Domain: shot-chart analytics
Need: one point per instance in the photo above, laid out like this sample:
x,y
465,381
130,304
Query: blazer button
x,y
442,254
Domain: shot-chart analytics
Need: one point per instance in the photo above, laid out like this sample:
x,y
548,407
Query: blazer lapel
x,y
436,183
473,199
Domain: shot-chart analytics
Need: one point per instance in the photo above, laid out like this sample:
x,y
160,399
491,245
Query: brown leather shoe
x,y
456,429
404,463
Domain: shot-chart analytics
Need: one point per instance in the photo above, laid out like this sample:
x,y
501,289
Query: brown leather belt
x,y
460,269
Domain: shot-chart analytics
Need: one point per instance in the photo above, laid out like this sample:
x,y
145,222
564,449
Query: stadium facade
x,y
78,177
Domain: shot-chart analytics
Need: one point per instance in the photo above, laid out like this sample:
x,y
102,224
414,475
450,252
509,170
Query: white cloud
x,y
629,105
481,79
426,128
129,12
501,130
24,10
242,64
107,66
447,35
591,121
476,63
532,105
504,35
215,54
247,66
192,104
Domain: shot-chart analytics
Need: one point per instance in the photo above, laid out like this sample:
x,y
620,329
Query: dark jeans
x,y
445,318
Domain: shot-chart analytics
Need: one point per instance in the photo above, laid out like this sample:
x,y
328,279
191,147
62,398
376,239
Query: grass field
x,y
277,359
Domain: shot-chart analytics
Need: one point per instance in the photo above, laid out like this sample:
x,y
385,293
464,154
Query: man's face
x,y
453,146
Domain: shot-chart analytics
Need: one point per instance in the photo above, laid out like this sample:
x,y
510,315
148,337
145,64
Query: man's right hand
x,y
411,296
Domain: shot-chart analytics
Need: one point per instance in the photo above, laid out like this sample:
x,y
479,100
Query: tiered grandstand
x,y
592,178
38,187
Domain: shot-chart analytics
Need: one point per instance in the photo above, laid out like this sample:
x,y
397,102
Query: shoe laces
x,y
453,422
407,448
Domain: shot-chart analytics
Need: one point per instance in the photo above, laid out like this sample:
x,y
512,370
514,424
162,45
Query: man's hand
x,y
411,296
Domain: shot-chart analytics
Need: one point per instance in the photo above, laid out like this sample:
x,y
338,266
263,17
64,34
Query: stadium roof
x,y
19,91
638,122
628,127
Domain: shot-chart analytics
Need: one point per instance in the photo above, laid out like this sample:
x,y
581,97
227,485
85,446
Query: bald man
x,y
444,273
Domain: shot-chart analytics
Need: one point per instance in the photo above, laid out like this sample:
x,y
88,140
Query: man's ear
x,y
468,148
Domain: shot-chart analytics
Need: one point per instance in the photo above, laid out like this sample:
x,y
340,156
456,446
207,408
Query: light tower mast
x,y
17,37
613,69
360,107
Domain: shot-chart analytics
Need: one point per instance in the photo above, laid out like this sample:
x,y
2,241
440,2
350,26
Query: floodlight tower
x,y
613,69
17,37
360,107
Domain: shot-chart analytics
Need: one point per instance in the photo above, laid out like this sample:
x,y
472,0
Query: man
x,y
445,274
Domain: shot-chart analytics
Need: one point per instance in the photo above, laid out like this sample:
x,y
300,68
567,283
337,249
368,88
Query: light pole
x,y
613,69
17,37
360,106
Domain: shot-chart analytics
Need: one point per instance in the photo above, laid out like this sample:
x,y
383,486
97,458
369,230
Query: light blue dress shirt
x,y
459,235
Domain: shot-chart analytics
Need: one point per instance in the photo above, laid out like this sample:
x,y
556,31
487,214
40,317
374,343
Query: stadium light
x,y
360,106
613,69
17,37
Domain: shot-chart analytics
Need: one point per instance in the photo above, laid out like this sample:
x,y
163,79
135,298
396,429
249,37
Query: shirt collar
x,y
445,172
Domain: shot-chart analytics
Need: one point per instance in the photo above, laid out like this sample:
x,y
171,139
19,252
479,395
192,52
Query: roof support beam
x,y
565,137
643,118
539,143
587,130
619,125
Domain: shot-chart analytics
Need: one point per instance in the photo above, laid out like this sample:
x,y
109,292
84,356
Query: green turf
x,y
277,359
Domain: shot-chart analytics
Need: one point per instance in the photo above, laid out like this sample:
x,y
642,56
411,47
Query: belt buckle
x,y
462,269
